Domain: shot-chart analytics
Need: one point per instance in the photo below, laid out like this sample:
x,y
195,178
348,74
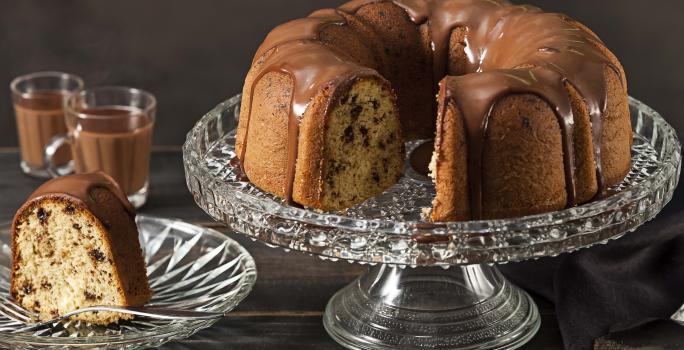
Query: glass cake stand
x,y
429,285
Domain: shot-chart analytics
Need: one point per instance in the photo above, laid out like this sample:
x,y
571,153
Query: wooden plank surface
x,y
284,310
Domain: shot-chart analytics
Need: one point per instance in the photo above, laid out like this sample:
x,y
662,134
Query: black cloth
x,y
636,277
660,334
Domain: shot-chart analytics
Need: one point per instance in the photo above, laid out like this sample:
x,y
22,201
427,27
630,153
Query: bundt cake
x,y
531,112
75,244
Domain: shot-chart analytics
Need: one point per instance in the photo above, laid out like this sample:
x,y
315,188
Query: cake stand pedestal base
x,y
463,307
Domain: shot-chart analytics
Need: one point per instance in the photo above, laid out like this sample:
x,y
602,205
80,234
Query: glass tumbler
x,y
39,110
110,129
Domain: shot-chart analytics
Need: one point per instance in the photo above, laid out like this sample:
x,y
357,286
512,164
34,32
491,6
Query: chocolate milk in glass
x,y
39,100
118,144
40,116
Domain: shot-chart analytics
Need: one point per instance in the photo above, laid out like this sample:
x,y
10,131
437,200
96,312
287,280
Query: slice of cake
x,y
75,244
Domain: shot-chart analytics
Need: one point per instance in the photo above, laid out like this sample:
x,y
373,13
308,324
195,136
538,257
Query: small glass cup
x,y
109,129
39,110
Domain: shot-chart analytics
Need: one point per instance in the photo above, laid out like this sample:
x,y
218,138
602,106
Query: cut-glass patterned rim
x,y
248,210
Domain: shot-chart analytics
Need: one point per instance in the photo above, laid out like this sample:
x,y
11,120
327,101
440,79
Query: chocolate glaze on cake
x,y
311,64
79,187
556,51
510,50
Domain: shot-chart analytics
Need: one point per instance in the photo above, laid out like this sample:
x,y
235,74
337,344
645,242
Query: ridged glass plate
x,y
189,268
382,229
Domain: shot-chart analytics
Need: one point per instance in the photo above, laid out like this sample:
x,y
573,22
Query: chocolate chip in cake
x,y
329,178
364,132
356,111
90,297
376,177
76,226
526,123
354,98
70,209
97,255
345,99
381,145
27,288
46,285
348,135
375,104
36,305
42,215
54,313
337,167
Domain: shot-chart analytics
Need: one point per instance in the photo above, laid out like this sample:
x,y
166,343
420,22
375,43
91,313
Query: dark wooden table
x,y
284,310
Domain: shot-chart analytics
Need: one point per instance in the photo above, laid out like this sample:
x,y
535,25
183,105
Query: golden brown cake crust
x,y
614,142
450,176
515,69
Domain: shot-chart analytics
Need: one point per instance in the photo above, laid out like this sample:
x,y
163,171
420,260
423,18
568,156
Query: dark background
x,y
194,54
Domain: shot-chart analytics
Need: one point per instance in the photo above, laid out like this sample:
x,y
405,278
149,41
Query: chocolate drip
x,y
524,51
443,17
482,90
295,51
80,186
303,29
509,49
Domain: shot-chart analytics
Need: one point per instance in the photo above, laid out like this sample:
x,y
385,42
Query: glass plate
x,y
189,268
381,230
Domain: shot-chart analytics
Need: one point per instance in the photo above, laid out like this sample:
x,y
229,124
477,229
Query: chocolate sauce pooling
x,y
509,49
428,238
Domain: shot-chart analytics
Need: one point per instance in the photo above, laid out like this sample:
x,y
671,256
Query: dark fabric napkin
x,y
637,277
